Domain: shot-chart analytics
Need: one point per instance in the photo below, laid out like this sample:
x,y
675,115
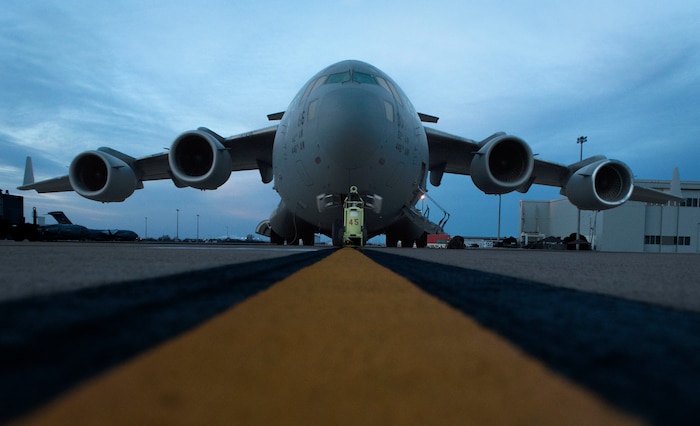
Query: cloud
x,y
77,75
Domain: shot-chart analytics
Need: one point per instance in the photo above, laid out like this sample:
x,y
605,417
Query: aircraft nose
x,y
351,125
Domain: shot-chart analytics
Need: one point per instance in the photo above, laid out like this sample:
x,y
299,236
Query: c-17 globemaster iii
x,y
350,125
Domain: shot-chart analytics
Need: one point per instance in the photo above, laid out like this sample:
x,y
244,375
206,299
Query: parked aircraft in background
x,y
65,228
350,125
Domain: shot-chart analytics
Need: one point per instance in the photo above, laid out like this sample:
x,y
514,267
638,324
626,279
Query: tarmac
x,y
36,268
181,334
668,279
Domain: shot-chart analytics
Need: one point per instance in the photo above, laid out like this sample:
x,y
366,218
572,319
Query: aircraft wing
x,y
649,195
455,154
59,184
553,174
248,151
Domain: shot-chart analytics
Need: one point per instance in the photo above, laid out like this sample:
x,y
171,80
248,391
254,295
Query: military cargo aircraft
x,y
349,125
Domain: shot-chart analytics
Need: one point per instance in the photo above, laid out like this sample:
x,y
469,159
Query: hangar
x,y
632,227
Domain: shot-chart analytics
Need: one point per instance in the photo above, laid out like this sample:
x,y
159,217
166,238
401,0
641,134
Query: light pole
x,y
197,228
146,231
177,226
498,237
581,140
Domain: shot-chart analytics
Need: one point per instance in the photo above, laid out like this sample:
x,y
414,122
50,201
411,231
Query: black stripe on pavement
x,y
641,357
50,343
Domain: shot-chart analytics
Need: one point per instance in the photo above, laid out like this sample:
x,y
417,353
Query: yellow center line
x,y
344,341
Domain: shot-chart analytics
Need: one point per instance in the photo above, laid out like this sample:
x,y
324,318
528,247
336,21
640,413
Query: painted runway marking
x,y
50,343
343,341
266,248
639,356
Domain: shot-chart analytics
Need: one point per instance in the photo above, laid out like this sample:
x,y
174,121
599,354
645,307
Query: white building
x,y
632,227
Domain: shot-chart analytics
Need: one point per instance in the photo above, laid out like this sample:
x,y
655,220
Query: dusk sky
x,y
133,75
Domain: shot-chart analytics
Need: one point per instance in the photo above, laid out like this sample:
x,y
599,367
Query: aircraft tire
x,y
422,241
391,240
337,233
275,238
407,243
307,237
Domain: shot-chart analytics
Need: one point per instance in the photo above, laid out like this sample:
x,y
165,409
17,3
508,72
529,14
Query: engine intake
x,y
601,185
503,164
199,160
102,177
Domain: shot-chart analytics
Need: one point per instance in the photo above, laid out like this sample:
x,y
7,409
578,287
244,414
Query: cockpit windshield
x,y
351,75
363,78
354,76
341,77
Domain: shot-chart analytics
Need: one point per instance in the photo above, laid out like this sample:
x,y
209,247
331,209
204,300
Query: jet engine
x,y
503,163
601,185
198,159
100,176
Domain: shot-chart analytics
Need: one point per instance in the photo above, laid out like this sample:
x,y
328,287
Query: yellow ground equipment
x,y
354,234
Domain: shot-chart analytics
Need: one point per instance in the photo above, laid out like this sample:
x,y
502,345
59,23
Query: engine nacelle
x,y
102,177
503,164
601,185
199,160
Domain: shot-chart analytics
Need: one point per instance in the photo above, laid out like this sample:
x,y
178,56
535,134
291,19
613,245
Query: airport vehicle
x,y
438,240
12,225
349,125
354,234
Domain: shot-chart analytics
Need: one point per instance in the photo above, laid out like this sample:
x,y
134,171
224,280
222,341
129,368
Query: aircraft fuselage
x,y
349,125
